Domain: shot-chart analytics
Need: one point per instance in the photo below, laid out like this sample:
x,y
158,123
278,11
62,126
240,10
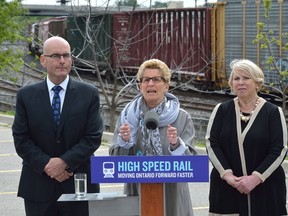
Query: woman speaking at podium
x,y
154,124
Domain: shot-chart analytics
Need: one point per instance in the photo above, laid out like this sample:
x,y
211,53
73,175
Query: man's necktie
x,y
56,104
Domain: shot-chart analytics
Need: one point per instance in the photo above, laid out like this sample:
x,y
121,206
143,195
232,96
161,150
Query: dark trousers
x,y
54,208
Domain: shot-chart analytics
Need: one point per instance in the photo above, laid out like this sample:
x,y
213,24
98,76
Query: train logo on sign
x,y
108,169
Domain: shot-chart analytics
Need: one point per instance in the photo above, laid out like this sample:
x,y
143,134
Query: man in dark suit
x,y
53,151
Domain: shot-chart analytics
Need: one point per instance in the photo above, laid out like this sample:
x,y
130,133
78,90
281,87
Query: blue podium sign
x,y
149,169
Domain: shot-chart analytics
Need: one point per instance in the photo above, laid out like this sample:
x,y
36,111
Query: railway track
x,y
7,87
198,104
189,101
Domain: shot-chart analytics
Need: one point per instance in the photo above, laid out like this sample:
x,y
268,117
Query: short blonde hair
x,y
252,70
154,64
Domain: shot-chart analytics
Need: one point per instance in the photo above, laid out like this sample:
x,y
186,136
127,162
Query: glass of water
x,y
80,181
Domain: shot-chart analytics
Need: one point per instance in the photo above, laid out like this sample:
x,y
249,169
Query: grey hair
x,y
252,70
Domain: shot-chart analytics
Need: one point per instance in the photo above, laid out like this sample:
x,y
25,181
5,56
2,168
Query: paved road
x,y
10,165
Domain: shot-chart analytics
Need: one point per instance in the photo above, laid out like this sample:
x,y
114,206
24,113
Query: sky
x,y
187,3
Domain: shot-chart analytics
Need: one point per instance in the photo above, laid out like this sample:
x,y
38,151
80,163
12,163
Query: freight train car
x,y
197,43
122,41
237,30
44,29
179,37
91,45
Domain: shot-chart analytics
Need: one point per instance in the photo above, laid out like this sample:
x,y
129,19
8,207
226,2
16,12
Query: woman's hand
x,y
125,132
172,136
230,179
245,184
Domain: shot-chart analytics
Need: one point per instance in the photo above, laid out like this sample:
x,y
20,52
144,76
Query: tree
x,y
158,4
88,36
89,30
11,32
132,3
271,40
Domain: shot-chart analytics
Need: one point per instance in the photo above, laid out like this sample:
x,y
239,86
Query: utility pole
x,y
63,2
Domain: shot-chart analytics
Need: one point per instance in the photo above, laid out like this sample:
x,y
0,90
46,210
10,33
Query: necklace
x,y
246,118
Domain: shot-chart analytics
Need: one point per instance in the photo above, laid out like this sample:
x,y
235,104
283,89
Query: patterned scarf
x,y
133,114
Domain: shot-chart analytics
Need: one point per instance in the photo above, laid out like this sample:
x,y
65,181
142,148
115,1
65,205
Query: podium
x,y
152,201
150,172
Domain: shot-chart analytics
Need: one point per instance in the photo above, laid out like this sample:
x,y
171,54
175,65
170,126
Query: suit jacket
x,y
37,139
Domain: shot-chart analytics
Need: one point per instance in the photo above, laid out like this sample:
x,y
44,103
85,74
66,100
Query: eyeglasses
x,y
58,56
156,79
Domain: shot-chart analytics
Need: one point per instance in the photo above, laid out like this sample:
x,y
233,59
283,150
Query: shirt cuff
x,y
123,143
180,150
259,175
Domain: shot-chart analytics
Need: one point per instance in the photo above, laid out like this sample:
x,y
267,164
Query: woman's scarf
x,y
133,114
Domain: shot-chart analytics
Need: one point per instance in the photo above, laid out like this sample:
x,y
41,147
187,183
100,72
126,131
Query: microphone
x,y
151,120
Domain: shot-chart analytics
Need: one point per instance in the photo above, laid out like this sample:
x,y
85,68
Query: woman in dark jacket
x,y
247,142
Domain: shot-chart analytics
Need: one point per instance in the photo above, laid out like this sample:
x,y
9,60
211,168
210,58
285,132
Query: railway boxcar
x,y
44,29
93,44
237,30
179,37
198,44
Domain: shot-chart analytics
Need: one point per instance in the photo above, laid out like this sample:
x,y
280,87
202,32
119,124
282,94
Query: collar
x,y
64,84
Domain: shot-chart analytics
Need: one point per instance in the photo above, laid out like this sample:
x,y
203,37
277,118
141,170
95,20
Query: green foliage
x,y
270,40
10,113
11,33
200,143
10,58
9,25
267,8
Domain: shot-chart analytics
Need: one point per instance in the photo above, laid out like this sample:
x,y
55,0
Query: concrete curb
x,y
6,120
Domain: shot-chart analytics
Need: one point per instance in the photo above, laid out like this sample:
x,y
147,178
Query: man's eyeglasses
x,y
58,56
156,79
